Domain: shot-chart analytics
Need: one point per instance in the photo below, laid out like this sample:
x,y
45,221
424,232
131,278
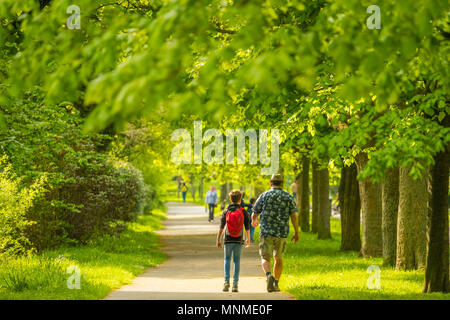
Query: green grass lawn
x,y
105,265
316,269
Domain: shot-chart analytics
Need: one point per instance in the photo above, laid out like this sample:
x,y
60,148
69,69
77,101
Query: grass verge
x,y
316,269
105,264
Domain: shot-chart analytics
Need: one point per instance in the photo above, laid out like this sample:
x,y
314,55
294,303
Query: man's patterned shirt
x,y
275,207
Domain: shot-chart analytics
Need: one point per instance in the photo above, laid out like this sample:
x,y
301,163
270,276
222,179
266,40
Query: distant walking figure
x,y
294,191
250,211
243,204
275,207
184,191
211,200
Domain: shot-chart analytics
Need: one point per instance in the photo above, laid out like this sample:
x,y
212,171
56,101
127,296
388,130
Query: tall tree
x,y
200,188
192,188
389,216
315,198
412,221
350,208
437,266
223,192
370,194
324,209
298,196
304,206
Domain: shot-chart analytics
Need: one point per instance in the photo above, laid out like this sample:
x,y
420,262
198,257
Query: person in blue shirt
x,y
275,207
211,200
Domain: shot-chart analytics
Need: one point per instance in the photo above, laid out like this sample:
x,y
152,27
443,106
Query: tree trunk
x,y
315,198
412,221
350,208
223,192
200,188
192,187
193,192
298,183
229,188
389,191
437,267
370,195
341,189
324,209
304,206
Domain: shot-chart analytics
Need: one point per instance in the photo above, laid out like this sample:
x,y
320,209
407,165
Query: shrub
x,y
87,195
14,203
97,200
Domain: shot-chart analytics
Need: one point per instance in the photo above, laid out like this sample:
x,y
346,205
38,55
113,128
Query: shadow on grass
x,y
317,269
324,292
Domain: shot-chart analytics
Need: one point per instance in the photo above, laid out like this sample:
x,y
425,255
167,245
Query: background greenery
x,y
86,115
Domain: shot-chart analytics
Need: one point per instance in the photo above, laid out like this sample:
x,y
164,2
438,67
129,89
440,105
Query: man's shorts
x,y
271,246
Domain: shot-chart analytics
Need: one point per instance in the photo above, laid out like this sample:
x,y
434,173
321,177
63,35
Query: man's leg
x,y
279,249
270,279
266,251
278,268
266,265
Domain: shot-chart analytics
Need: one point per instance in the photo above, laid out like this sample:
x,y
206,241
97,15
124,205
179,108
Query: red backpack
x,y
235,222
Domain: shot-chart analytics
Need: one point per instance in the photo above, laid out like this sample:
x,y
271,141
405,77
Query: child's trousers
x,y
232,249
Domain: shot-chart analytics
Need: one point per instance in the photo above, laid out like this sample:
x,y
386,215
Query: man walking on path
x,y
275,207
211,200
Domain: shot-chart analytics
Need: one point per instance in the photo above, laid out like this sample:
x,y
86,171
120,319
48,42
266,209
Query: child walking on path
x,y
235,218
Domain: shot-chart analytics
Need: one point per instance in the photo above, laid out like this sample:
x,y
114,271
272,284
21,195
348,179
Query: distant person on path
x,y
275,207
250,211
243,204
179,181
294,191
184,190
211,200
235,218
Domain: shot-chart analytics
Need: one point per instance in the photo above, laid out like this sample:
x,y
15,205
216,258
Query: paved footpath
x,y
194,269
